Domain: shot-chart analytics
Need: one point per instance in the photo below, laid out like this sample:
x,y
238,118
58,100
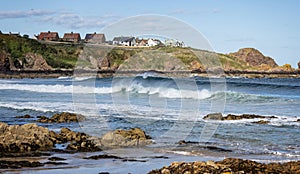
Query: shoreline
x,y
121,159
19,74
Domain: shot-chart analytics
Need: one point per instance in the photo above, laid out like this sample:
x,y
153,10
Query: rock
x,y
229,165
261,122
35,61
24,116
218,116
24,154
298,120
254,58
214,116
105,156
30,137
63,117
18,164
299,65
80,142
243,116
55,163
6,63
125,138
56,159
25,138
183,142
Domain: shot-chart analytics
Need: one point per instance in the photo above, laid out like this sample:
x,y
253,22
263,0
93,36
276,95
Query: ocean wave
x,y
55,88
240,97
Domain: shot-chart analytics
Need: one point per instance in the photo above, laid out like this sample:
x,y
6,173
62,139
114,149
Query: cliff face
x,y
34,61
254,58
5,61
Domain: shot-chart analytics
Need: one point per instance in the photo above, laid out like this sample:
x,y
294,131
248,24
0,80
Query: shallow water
x,y
169,110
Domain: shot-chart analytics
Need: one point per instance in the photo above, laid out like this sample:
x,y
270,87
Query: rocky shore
x,y
229,166
25,141
232,117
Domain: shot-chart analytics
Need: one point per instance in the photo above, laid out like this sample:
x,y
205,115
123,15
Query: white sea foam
x,y
56,88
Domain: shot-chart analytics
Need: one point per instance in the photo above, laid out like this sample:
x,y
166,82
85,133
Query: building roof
x,y
72,36
95,37
123,39
47,35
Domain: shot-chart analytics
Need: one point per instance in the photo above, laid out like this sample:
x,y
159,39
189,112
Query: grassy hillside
x,y
56,55
65,55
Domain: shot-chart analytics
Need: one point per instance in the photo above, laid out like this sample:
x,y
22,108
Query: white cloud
x,y
24,14
75,21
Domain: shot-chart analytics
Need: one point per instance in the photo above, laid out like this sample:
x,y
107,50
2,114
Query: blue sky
x,y
272,27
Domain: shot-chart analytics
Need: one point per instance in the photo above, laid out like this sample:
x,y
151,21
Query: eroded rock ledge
x,y
64,117
219,116
228,166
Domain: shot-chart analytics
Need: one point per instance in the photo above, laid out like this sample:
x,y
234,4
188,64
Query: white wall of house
x,y
152,43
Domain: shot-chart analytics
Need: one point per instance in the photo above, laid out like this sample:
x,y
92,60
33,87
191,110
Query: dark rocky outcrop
x,y
19,164
299,65
254,57
218,116
228,166
104,156
56,159
261,122
125,138
298,120
198,145
80,142
33,61
24,116
5,61
63,117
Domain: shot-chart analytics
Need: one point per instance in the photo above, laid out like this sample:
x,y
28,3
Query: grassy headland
x,y
25,54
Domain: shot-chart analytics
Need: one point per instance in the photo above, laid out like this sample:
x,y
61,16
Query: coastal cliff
x,y
23,54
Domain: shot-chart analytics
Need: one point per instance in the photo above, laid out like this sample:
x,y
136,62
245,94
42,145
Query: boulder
x,y
299,65
213,116
31,137
126,138
25,138
64,117
298,120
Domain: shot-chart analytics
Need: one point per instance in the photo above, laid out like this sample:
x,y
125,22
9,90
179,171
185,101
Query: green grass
x,y
59,55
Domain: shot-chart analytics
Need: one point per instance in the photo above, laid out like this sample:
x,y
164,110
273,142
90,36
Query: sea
x,y
170,110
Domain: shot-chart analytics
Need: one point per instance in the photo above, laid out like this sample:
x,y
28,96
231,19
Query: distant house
x,y
124,41
174,43
71,37
48,36
95,38
141,42
154,42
